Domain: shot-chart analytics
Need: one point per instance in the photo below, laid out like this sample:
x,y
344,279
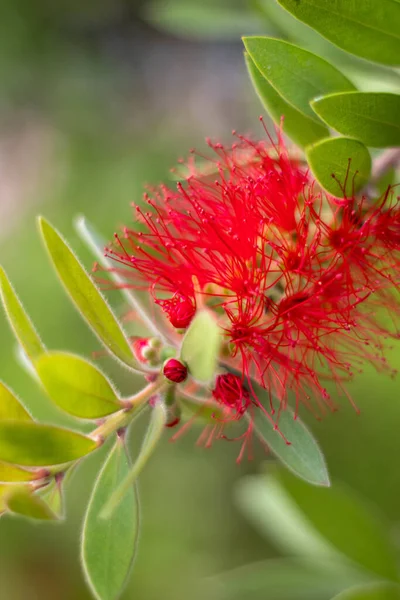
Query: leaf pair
x,y
24,442
288,80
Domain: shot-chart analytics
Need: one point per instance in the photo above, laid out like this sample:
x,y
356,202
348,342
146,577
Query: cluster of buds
x,y
298,280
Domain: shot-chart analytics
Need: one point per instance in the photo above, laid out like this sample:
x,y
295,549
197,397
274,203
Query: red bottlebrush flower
x,y
180,310
229,392
294,275
175,371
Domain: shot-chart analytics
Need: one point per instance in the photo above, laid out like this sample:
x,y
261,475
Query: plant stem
x,y
123,417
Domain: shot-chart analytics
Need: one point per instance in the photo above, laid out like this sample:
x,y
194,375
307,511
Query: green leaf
x,y
11,407
151,439
341,165
200,346
77,386
200,21
86,296
317,523
136,299
19,320
297,75
108,546
301,129
53,497
14,474
374,591
294,445
4,489
371,117
35,445
21,501
277,579
370,29
350,526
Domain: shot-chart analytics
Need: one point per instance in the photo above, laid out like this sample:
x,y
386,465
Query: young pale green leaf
x,y
14,474
370,29
293,444
21,501
151,439
32,444
19,320
201,345
372,591
77,386
108,546
297,75
86,296
371,117
137,300
10,407
301,129
341,165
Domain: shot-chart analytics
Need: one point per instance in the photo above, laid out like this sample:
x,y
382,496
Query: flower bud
x,y
174,370
229,392
182,314
139,346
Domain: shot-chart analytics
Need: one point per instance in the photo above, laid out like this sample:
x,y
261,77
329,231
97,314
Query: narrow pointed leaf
x,y
370,117
201,345
277,579
293,444
77,386
108,546
300,128
31,444
19,320
370,29
297,75
135,299
25,362
152,437
351,526
319,524
341,165
13,474
21,501
11,407
86,297
373,591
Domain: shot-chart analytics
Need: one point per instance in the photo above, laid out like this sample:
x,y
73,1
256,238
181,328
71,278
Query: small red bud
x,y
229,392
174,370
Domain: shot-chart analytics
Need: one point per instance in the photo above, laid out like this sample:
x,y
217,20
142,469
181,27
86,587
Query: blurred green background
x,y
97,98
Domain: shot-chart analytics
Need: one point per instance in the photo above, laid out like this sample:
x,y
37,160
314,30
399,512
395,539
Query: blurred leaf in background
x,y
90,91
